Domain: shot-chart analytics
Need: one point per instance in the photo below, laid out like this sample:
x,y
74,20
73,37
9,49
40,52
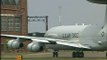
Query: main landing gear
x,y
78,54
75,54
55,53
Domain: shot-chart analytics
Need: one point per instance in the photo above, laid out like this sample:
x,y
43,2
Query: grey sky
x,y
72,11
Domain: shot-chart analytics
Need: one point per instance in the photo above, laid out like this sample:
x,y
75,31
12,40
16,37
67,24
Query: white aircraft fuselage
x,y
88,35
95,37
65,32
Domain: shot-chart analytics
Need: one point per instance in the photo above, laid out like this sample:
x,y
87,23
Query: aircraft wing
x,y
49,40
73,44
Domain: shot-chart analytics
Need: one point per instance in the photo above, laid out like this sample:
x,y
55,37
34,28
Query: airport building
x,y
14,17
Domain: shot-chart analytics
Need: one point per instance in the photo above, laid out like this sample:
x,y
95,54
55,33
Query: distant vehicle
x,y
75,37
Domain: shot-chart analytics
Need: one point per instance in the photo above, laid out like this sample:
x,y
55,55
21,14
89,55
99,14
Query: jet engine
x,y
14,44
35,47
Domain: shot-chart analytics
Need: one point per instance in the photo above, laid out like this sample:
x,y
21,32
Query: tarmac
x,y
63,53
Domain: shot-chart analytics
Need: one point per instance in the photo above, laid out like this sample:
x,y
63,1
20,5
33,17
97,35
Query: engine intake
x,y
35,47
15,44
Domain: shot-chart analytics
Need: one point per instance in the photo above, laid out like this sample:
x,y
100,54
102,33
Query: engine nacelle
x,y
35,47
14,44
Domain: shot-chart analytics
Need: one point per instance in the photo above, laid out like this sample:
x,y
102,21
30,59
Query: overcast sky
x,y
72,12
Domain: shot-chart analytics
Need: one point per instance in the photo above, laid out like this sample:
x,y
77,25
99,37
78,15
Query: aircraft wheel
x,y
78,54
82,54
73,54
55,53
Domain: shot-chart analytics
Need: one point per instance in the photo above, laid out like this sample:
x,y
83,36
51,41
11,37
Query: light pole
x,y
60,7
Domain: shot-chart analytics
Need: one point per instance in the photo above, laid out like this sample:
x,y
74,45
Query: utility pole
x,y
60,7
46,23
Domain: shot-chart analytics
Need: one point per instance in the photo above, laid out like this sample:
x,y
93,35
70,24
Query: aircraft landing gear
x,y
78,54
55,53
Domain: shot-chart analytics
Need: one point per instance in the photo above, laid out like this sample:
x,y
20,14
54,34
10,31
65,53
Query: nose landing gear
x,y
55,53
